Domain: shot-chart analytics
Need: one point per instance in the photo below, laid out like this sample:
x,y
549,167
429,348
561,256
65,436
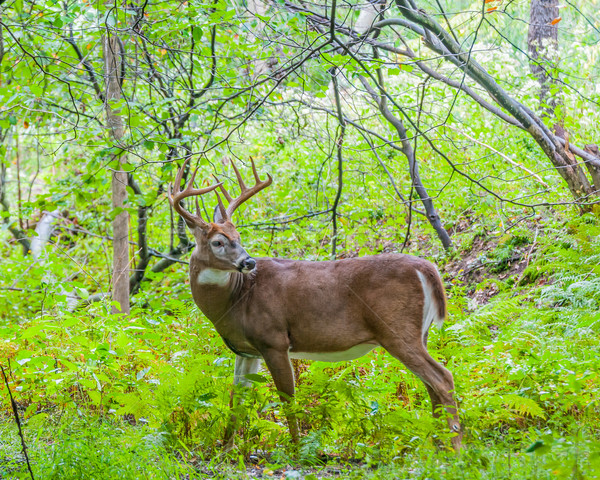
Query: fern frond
x,y
523,406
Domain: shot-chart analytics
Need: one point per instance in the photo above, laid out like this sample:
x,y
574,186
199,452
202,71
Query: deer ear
x,y
218,216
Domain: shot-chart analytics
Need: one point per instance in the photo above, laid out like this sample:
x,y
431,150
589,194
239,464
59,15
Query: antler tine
x,y
176,196
246,192
223,191
178,179
256,177
221,206
190,184
238,175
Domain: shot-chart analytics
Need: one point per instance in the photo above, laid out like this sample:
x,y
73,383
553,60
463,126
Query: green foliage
x,y
525,363
102,396
94,449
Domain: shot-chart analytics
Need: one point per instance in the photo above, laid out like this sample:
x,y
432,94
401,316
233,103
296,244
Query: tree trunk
x,y
113,65
542,44
369,12
261,65
594,169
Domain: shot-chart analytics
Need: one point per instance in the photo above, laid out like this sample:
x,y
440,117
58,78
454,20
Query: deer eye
x,y
217,243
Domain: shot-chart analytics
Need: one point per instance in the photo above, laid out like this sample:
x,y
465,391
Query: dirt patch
x,y
489,259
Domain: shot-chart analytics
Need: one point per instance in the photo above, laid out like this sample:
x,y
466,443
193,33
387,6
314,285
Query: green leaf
x,y
33,331
81,340
534,446
197,34
98,384
109,20
539,447
83,293
95,396
255,377
30,410
523,405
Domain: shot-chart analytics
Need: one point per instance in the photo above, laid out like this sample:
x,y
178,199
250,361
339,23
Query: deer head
x,y
218,243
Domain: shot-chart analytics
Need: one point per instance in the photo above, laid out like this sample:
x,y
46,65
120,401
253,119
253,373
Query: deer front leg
x,y
243,366
278,363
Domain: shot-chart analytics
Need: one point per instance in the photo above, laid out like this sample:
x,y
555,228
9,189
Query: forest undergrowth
x,y
148,396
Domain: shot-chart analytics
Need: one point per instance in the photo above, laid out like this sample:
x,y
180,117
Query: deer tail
x,y
434,299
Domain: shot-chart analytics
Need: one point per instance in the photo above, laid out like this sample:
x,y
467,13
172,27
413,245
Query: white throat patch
x,y
210,276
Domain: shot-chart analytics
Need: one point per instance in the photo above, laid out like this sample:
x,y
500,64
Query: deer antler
x,y
176,195
246,193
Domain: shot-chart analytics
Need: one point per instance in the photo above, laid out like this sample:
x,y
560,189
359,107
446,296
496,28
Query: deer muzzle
x,y
246,264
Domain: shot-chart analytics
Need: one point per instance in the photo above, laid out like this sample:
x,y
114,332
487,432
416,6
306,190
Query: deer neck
x,y
215,291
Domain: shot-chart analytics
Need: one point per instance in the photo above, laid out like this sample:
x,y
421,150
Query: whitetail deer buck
x,y
276,309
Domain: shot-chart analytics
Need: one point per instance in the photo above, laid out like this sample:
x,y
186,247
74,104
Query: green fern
x,y
311,445
523,406
579,291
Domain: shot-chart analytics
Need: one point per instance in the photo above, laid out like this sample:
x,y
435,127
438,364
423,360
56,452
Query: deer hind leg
x,y
281,370
438,381
243,366
435,401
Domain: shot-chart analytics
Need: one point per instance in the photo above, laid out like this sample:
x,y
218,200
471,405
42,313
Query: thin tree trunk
x,y
542,44
113,64
43,230
413,164
143,252
11,225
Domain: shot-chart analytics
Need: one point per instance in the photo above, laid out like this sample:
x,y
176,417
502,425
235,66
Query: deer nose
x,y
247,264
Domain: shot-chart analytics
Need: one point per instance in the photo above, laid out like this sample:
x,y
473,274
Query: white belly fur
x,y
350,354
